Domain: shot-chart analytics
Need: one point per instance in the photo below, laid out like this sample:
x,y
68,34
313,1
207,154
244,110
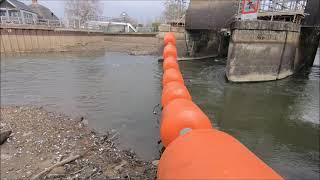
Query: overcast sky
x,y
142,10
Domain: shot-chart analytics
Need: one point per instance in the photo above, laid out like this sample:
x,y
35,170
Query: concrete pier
x,y
262,50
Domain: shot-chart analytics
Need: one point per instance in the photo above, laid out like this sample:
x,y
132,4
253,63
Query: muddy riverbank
x,y
41,139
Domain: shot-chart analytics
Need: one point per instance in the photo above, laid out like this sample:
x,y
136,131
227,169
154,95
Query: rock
x,y
155,162
120,167
85,122
55,176
5,156
4,136
110,173
28,173
27,134
58,170
79,119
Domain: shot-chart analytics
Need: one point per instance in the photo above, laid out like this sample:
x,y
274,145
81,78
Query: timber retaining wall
x,y
26,39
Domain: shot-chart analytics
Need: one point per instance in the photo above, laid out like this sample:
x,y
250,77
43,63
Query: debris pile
x,y
49,145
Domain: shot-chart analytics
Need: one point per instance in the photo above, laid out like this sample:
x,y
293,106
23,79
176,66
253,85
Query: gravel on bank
x,y
42,139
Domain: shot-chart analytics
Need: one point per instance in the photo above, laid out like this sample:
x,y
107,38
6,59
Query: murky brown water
x,y
278,120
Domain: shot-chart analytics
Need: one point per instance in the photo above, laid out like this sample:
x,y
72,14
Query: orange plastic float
x,y
180,115
172,75
169,38
170,50
195,150
170,62
211,154
174,90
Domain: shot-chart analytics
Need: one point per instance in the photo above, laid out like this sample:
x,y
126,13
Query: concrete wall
x,y
262,50
207,43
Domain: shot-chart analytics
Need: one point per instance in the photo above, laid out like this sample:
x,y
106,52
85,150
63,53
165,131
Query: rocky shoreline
x,y
50,145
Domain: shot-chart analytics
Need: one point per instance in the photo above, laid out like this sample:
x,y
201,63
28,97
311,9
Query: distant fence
x,y
29,21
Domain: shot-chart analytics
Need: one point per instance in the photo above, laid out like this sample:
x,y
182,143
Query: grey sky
x,y
142,10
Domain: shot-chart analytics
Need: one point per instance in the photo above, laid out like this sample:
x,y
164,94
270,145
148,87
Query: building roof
x,y
43,12
19,5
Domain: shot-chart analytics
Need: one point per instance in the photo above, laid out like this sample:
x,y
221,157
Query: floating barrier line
x,y
194,149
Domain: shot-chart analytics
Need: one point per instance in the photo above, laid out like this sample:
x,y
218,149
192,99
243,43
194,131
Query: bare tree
x,y
174,10
81,11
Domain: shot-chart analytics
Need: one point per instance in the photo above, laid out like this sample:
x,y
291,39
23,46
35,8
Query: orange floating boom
x,y
174,90
193,149
170,62
169,38
170,50
211,154
172,75
179,115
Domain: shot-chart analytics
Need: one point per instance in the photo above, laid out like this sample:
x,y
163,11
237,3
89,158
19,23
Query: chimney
x,y
34,1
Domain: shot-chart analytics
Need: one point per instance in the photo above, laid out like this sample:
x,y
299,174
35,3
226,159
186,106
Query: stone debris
x,y
42,139
4,135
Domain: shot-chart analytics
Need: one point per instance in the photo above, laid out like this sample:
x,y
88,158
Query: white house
x,y
17,12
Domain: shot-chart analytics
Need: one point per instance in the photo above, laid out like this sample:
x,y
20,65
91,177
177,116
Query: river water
x,y
278,120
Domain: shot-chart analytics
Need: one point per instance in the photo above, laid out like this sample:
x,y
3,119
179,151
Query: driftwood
x,y
47,170
4,136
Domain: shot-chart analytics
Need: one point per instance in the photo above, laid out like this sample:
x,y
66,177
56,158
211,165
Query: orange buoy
x,y
180,115
169,38
211,154
172,75
170,62
170,50
174,90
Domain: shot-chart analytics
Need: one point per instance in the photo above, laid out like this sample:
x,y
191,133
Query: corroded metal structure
x,y
313,13
210,14
310,34
217,14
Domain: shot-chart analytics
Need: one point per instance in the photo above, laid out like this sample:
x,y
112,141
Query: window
x,y
2,13
14,13
27,15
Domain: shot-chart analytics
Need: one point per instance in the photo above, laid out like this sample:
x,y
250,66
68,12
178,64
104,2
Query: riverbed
x,y
278,120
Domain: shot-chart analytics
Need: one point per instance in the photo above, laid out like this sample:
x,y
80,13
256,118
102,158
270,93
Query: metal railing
x,y
268,9
4,20
290,6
